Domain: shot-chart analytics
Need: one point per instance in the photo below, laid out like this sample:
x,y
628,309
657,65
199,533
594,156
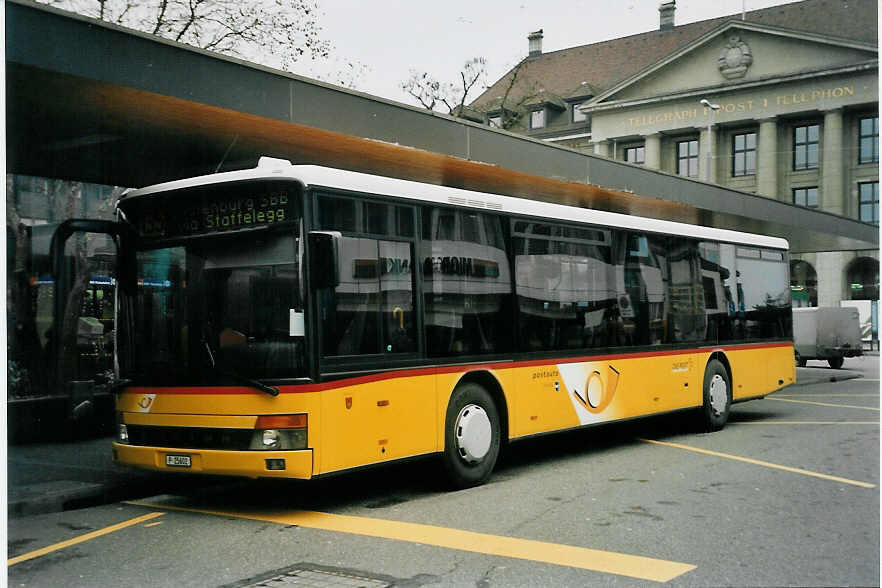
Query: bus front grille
x,y
190,437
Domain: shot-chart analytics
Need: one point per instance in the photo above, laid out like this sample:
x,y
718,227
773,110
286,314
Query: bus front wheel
x,y
471,436
717,396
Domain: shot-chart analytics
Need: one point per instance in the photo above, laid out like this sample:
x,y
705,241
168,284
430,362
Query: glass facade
x,y
37,366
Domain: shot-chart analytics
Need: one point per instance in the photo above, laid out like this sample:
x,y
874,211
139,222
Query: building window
x,y
578,115
806,197
687,158
805,147
635,154
537,119
869,140
495,121
744,154
869,202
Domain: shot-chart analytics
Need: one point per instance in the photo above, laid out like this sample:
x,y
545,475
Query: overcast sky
x,y
391,37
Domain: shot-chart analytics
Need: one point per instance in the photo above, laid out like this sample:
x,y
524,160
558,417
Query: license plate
x,y
178,461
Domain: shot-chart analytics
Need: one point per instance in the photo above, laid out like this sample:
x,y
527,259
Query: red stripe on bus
x,y
460,368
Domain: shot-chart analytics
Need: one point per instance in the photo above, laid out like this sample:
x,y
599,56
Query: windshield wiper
x,y
271,390
257,385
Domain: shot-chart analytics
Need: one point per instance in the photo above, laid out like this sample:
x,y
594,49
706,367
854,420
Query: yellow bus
x,y
300,321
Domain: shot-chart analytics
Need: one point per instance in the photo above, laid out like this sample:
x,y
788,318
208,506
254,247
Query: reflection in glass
x,y
466,282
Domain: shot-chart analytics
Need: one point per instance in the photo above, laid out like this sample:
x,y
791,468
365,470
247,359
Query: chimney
x,y
535,43
666,15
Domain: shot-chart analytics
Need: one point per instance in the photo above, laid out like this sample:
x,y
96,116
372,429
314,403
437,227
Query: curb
x,y
809,376
47,497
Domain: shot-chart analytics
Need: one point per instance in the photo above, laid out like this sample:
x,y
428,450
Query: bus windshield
x,y
217,304
215,300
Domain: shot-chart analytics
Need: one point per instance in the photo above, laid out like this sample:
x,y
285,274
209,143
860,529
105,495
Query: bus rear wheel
x,y
717,396
471,436
836,362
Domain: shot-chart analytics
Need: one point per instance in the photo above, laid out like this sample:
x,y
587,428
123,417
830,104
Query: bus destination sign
x,y
207,211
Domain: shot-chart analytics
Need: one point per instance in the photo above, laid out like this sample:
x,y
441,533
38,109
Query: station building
x,y
781,102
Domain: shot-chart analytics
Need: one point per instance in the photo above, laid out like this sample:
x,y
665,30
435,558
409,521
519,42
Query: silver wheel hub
x,y
719,394
473,433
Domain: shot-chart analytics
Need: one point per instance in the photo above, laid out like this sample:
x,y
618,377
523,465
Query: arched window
x,y
863,279
803,283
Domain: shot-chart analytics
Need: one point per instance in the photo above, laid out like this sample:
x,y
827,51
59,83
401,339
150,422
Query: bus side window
x,y
686,320
641,287
371,311
466,283
566,298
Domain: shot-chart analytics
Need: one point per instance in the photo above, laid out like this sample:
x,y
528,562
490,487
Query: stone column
x,y
601,148
652,155
830,268
832,197
708,154
767,160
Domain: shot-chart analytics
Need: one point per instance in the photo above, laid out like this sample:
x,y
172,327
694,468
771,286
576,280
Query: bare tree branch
x,y
430,92
278,33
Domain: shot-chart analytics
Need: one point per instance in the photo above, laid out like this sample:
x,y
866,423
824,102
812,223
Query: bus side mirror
x,y
324,258
126,263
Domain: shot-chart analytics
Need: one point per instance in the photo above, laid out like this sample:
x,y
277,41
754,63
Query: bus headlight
x,y
279,433
122,432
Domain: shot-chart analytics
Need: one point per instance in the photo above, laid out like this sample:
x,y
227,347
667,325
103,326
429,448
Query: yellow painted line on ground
x,y
866,379
827,396
763,463
83,538
806,423
823,403
643,568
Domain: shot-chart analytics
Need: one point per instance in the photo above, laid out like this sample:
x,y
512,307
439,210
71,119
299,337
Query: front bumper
x,y
252,464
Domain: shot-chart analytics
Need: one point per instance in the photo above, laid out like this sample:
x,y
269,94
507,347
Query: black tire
x,y
800,362
717,396
471,408
836,362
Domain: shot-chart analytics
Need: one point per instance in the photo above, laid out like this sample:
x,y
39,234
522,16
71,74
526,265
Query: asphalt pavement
x,y
52,477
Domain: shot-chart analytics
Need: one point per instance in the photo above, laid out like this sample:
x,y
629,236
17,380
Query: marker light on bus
x,y
279,432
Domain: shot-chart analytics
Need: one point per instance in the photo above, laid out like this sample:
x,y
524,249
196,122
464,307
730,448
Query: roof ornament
x,y
735,58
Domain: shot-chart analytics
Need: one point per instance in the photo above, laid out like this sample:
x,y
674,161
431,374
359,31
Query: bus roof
x,y
314,176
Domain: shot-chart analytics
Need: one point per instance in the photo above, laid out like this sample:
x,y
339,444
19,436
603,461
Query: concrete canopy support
x,y
653,151
601,148
832,196
767,160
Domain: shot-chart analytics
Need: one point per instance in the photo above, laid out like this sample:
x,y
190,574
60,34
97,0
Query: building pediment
x,y
738,52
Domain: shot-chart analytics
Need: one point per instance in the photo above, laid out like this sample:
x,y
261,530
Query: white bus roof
x,y
326,177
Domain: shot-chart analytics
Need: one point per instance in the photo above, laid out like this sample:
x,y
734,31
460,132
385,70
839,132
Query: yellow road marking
x,y
622,564
824,404
827,396
763,463
806,423
83,538
148,525
866,379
